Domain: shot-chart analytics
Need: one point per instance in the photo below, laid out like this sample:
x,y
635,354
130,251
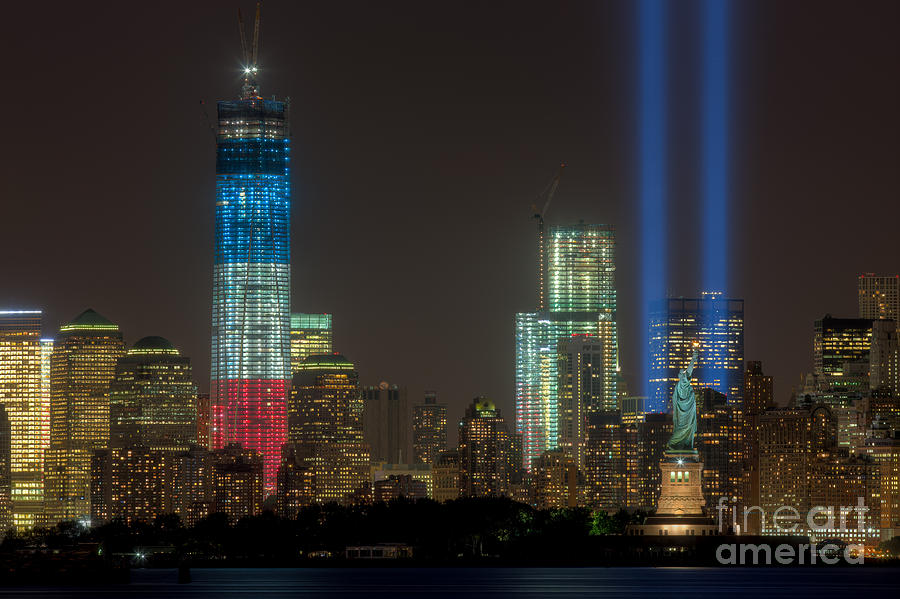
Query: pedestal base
x,y
681,492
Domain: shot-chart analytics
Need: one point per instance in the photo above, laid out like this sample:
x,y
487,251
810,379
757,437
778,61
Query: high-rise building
x,y
81,367
717,323
237,481
883,446
580,391
325,403
22,392
759,396
554,481
387,422
839,344
722,447
879,297
884,357
484,447
202,408
251,318
645,443
603,471
326,435
152,398
445,476
6,504
580,299
311,334
429,429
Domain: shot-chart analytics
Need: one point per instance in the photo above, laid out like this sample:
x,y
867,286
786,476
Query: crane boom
x,y
255,50
549,191
552,189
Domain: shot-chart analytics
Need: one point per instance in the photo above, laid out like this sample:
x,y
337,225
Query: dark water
x,y
469,583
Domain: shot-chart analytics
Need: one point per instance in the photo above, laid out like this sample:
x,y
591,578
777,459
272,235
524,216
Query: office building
x,y
603,471
879,297
429,429
645,443
387,423
251,318
841,352
580,298
554,481
717,323
580,391
721,442
884,357
445,476
759,396
202,412
311,334
6,485
25,394
153,398
81,367
326,434
484,448
237,481
396,486
883,447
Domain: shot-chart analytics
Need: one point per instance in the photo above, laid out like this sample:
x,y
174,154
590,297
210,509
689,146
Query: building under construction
x,y
250,368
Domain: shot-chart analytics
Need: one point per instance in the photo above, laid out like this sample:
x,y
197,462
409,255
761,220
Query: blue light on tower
x,y
652,18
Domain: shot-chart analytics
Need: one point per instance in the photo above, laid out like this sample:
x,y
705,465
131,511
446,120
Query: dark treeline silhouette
x,y
464,529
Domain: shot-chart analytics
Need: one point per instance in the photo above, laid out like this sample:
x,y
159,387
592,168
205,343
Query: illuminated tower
x,y
81,367
311,335
718,324
581,299
326,434
484,446
22,393
879,297
250,368
152,398
429,429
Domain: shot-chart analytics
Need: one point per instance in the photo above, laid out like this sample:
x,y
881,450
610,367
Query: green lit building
x,y
311,334
581,300
153,398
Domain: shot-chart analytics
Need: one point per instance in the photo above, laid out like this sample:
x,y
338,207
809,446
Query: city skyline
x,y
413,263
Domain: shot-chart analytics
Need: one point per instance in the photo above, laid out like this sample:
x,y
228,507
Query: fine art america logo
x,y
827,524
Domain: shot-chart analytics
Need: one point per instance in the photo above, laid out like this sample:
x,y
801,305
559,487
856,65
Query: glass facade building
x,y
251,319
22,393
81,367
581,299
152,398
311,334
718,324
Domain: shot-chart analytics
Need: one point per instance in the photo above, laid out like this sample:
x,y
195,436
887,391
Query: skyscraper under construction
x,y
251,320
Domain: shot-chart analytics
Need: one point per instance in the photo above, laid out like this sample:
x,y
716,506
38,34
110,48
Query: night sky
x,y
422,133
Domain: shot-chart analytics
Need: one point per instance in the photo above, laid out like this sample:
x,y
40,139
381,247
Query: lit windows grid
x,y
22,393
537,372
251,288
718,324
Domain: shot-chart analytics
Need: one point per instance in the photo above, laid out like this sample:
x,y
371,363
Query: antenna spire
x,y
250,89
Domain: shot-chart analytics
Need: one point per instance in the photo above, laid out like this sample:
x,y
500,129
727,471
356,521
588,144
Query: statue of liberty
x,y
684,410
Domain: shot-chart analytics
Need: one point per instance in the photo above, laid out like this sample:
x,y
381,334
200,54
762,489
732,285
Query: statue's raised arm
x,y
689,369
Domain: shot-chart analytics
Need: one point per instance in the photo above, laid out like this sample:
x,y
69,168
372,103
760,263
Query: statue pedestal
x,y
679,510
681,492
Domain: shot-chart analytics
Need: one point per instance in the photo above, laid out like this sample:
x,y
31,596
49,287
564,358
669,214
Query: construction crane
x,y
251,55
548,192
